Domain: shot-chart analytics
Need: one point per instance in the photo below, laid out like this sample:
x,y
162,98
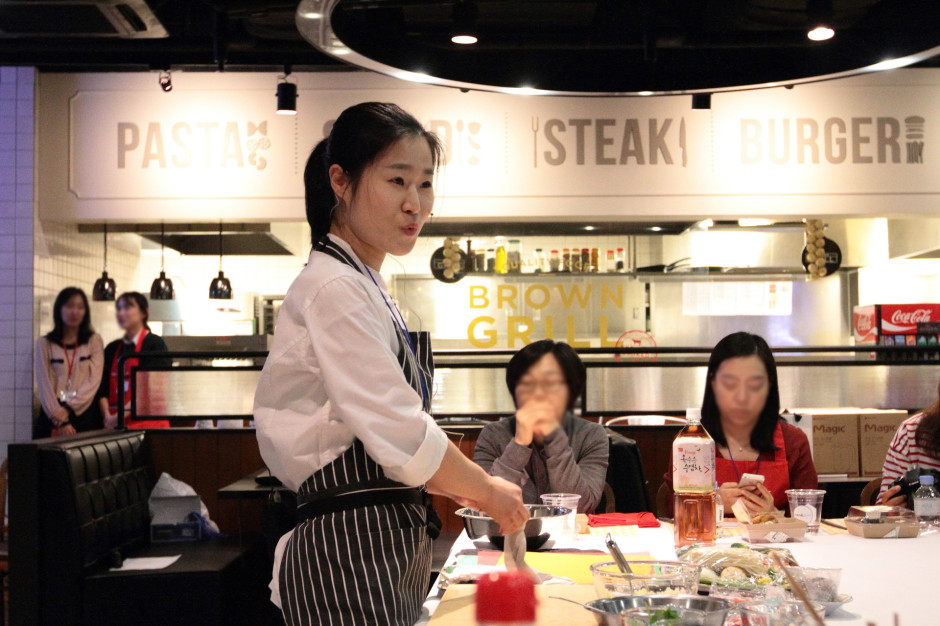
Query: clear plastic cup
x,y
785,613
566,501
821,583
806,505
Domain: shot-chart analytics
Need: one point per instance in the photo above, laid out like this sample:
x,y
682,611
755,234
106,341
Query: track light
x,y
165,82
220,287
286,94
105,288
819,13
465,23
162,287
701,101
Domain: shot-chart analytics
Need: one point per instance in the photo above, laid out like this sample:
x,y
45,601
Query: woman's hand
x,y
503,502
61,415
535,417
891,497
757,498
63,431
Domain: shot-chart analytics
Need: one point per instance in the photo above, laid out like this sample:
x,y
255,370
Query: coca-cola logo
x,y
864,323
910,317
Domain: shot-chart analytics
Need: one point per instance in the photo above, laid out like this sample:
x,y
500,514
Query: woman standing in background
x,y
68,365
132,311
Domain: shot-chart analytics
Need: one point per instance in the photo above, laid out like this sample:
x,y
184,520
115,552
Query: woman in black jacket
x,y
132,310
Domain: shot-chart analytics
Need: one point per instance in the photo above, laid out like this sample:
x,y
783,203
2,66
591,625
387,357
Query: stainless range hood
x,y
245,238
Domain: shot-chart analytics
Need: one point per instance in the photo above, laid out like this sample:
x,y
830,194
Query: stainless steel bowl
x,y
544,521
607,610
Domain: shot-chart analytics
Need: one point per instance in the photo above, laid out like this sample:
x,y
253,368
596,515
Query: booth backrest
x,y
74,501
103,486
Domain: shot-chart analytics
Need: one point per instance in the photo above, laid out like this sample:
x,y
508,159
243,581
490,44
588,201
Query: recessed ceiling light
x,y
644,93
588,228
821,33
311,15
656,229
464,40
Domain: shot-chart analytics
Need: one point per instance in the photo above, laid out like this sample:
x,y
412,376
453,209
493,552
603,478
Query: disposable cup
x,y
567,501
806,505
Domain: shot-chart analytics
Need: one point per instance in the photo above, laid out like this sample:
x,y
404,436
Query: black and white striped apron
x,y
365,565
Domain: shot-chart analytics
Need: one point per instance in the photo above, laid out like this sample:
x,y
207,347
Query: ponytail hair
x,y
360,135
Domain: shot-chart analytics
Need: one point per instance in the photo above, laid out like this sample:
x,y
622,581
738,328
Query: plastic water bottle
x,y
927,502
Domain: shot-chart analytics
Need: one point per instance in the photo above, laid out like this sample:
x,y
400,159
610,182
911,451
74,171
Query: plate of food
x,y
737,564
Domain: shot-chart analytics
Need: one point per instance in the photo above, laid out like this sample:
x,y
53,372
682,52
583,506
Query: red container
x,y
874,322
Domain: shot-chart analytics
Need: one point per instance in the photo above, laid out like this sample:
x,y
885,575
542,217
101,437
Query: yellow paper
x,y
577,567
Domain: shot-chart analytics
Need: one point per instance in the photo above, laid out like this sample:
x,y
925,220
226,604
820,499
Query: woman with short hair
x,y
544,447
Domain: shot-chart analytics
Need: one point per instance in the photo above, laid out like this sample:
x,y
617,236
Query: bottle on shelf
x,y
514,257
611,263
585,260
693,481
539,261
927,503
565,260
479,260
490,261
619,265
554,263
595,259
500,256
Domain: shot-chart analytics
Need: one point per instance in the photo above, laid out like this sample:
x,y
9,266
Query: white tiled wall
x,y
16,254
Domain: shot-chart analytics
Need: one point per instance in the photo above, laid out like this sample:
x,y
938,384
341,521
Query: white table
x,y
884,576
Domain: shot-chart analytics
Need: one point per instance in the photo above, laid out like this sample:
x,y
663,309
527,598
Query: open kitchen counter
x,y
884,576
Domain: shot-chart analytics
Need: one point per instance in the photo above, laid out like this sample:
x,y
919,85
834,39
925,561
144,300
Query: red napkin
x,y
643,520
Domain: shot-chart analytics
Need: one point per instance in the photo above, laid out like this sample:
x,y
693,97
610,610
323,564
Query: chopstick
x,y
798,590
834,524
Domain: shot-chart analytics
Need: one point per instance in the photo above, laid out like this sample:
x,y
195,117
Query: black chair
x,y
625,478
79,505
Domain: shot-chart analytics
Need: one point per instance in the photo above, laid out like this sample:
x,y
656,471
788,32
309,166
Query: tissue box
x,y
169,519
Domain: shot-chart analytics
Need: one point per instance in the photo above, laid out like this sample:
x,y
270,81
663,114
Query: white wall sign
x,y
113,145
735,299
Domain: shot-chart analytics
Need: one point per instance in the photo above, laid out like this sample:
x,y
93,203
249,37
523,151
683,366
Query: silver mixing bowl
x,y
607,610
544,521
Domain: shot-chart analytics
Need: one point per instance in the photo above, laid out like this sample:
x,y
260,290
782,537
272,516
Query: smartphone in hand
x,y
750,479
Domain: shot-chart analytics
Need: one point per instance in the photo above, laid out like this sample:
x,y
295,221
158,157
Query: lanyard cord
x,y
400,322
68,361
735,465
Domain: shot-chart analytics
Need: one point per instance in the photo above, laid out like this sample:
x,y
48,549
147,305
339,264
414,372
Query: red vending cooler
x,y
899,325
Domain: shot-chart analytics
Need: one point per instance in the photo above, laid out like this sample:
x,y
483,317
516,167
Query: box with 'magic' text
x,y
876,429
833,438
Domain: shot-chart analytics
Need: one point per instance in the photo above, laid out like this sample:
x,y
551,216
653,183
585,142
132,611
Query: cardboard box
x,y
876,429
833,438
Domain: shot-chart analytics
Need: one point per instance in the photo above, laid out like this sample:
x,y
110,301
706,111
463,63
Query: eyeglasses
x,y
548,385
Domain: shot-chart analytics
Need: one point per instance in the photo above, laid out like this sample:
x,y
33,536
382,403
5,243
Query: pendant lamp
x,y
220,288
105,288
162,287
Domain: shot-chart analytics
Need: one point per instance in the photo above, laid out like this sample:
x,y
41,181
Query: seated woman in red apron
x,y
132,311
741,411
341,409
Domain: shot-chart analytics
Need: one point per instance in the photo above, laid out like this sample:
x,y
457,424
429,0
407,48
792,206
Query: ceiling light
x,y
162,287
644,93
286,94
819,13
165,82
340,50
220,287
701,101
656,229
311,15
821,33
706,224
525,90
588,228
105,288
464,31
751,222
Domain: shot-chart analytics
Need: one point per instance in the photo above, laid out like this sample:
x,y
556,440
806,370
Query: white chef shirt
x,y
332,376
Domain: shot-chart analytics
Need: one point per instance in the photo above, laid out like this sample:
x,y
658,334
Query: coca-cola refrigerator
x,y
899,325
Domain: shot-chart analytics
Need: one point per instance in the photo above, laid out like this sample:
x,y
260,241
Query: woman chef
x,y
342,404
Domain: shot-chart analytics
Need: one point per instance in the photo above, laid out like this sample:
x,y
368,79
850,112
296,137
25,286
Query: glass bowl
x,y
646,578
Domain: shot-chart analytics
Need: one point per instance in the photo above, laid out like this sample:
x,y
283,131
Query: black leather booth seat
x,y
77,505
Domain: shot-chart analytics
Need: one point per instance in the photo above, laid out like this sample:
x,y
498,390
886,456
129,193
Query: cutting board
x,y
457,607
575,566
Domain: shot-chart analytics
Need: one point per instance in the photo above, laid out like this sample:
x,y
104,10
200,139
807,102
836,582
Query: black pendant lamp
x,y
105,288
162,287
221,287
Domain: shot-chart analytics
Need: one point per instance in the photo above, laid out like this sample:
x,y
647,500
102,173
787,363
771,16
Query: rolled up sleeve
x,y
364,382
